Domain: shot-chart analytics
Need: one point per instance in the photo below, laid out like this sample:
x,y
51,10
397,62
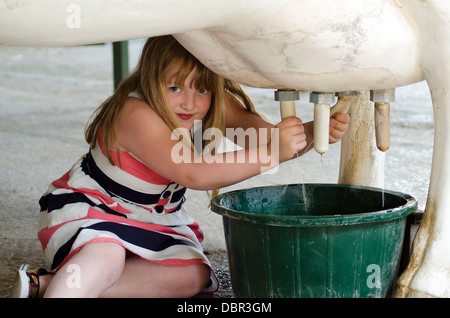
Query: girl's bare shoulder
x,y
136,120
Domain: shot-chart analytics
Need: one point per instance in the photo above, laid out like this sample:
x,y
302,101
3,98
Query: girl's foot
x,y
26,283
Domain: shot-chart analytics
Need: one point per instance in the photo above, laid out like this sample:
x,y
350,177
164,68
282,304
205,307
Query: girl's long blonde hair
x,y
148,81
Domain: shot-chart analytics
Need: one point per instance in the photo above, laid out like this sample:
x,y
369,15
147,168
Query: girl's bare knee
x,y
196,279
98,266
110,257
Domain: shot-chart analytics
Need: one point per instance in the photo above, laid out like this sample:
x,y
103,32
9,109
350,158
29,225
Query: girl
x,y
115,225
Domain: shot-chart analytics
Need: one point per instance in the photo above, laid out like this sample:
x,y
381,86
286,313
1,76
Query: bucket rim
x,y
323,220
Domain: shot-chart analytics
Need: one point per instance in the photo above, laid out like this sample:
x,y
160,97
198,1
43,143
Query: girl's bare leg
x,y
95,268
103,270
142,278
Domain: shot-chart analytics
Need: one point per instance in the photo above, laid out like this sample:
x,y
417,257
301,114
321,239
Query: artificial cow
x,y
322,46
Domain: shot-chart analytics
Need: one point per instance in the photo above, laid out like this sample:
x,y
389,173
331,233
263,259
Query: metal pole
x,y
120,62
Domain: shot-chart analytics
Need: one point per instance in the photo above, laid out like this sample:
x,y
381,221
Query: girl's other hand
x,y
338,126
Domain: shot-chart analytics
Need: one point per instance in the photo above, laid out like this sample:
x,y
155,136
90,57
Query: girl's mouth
x,y
185,116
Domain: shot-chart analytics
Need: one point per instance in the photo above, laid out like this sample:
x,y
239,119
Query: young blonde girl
x,y
115,225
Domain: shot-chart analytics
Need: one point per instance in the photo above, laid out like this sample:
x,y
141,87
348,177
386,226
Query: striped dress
x,y
129,205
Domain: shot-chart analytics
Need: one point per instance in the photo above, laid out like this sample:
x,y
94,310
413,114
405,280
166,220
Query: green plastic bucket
x,y
313,240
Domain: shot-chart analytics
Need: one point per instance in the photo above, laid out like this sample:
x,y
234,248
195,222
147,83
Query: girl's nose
x,y
188,101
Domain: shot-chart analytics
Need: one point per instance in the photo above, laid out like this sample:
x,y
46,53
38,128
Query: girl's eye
x,y
175,89
203,91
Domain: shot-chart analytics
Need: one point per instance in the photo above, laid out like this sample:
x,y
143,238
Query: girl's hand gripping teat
x,y
291,138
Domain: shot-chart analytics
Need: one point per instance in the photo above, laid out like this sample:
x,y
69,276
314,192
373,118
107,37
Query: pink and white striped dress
x,y
130,205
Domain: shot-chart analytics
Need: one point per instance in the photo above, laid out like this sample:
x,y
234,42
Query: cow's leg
x,y
361,162
428,272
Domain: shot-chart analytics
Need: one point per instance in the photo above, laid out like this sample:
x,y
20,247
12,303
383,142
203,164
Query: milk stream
x,y
305,198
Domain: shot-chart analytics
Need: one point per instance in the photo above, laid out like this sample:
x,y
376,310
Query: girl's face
x,y
189,103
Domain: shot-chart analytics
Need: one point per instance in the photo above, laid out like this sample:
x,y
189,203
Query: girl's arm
x,y
239,117
143,133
